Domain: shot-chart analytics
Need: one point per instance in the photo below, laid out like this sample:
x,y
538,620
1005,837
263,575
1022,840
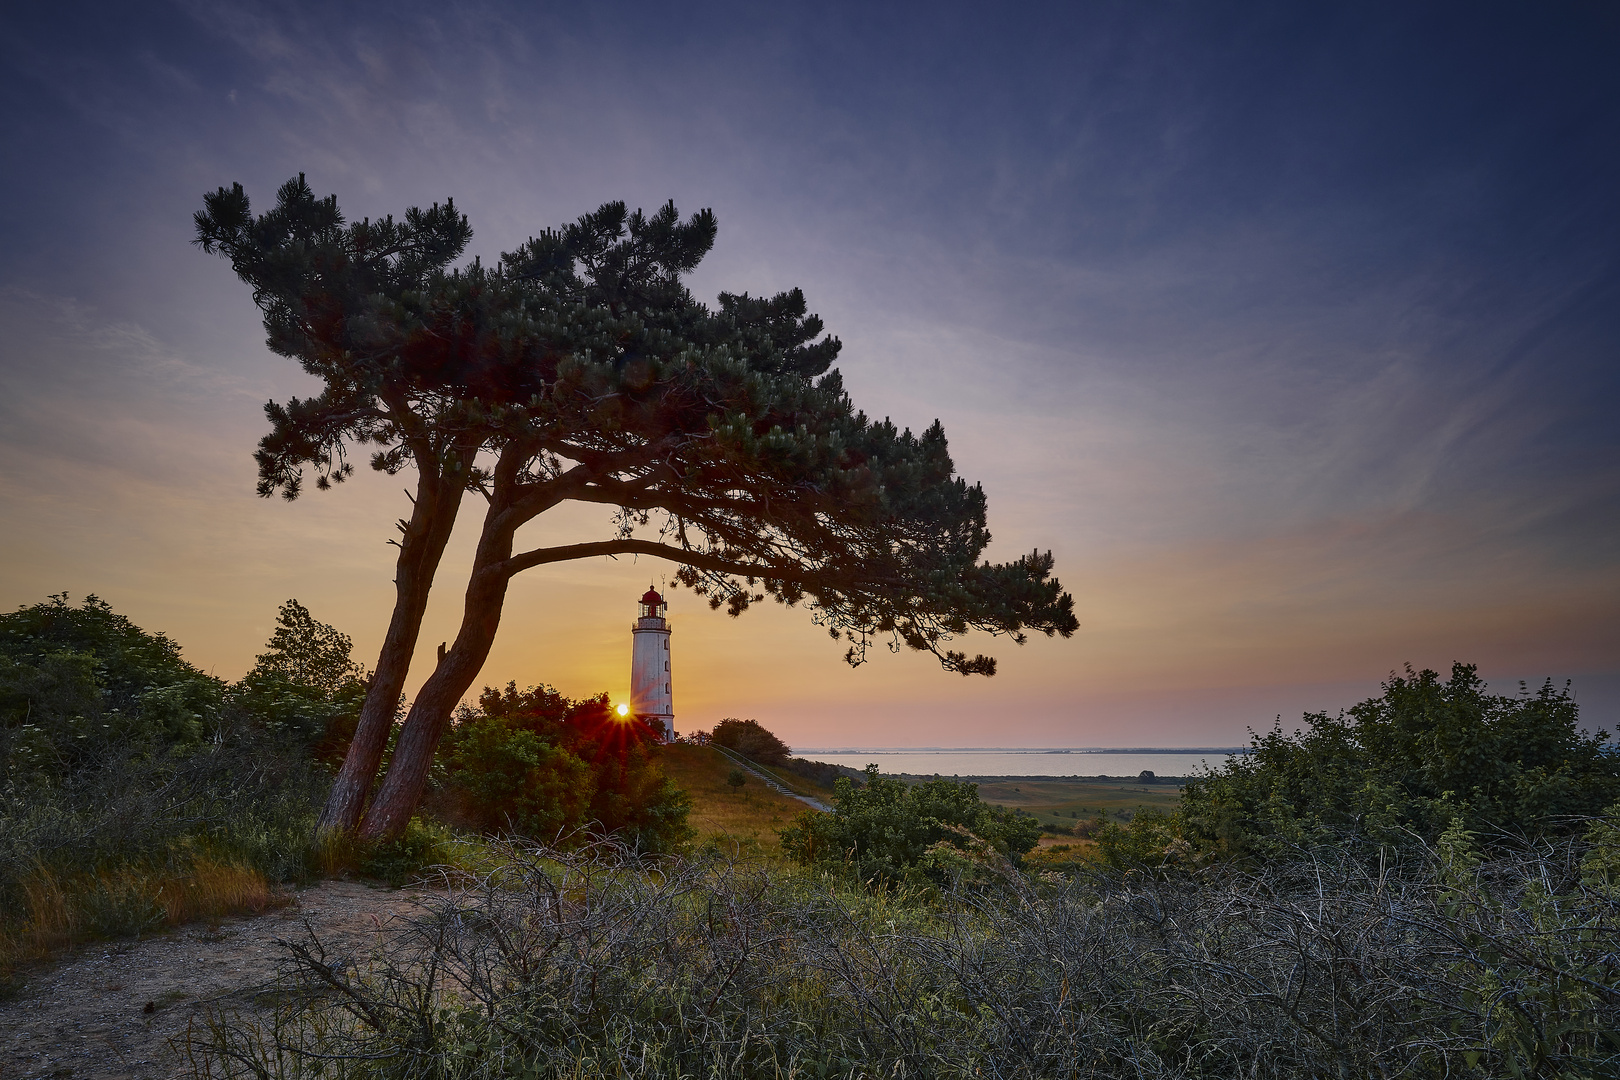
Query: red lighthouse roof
x,y
652,597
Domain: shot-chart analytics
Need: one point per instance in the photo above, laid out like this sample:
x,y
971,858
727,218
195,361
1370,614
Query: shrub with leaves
x,y
1409,763
79,684
886,831
540,764
306,684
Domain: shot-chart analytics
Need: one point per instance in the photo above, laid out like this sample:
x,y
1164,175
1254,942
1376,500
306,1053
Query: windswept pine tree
x,y
579,367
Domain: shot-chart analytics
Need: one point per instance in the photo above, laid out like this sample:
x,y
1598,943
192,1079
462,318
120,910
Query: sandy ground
x,y
110,1010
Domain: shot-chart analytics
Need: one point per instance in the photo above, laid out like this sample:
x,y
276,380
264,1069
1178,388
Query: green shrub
x,y
515,781
120,905
423,844
542,765
1406,765
1600,866
887,831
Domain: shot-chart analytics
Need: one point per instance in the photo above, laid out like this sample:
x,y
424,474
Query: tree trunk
x,y
402,787
438,498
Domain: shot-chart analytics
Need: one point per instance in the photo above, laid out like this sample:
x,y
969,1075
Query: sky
x,y
1292,330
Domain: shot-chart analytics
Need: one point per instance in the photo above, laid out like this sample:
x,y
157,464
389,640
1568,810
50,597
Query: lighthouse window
x,y
666,688
666,645
666,665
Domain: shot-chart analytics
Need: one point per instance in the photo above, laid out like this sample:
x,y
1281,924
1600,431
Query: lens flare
x,y
623,709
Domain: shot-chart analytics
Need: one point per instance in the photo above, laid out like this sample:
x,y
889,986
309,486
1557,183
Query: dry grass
x,y
1062,802
748,819
62,910
337,852
213,890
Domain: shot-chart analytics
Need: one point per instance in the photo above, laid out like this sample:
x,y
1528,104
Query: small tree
x,y
736,778
750,739
306,683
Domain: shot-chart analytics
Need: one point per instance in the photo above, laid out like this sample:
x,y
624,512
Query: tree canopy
x,y
752,740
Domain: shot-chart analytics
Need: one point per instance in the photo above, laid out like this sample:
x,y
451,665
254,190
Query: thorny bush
x,y
1354,961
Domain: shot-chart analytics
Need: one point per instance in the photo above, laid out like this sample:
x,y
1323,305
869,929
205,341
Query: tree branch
x,y
702,561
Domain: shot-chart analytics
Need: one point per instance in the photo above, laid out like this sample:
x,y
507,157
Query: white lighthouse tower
x,y
650,687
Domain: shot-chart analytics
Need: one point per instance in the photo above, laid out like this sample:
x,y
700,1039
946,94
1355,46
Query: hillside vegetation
x,y
138,792
1427,886
1457,932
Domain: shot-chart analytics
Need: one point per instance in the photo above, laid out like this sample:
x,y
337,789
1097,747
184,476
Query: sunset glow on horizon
x,y
1292,333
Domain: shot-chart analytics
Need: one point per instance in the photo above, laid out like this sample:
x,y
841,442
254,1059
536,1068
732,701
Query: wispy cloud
x,y
1291,331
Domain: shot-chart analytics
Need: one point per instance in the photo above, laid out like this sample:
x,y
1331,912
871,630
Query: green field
x,y
1060,803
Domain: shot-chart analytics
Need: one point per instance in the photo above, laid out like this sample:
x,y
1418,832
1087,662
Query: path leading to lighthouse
x,y
772,782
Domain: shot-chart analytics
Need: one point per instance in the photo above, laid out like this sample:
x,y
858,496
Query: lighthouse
x,y
650,688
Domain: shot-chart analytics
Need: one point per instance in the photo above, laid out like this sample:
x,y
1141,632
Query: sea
x,y
1025,761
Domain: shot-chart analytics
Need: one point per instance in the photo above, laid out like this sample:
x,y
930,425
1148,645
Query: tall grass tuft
x,y
135,843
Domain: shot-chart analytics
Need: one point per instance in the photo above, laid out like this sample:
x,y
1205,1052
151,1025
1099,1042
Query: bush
x,y
536,763
1412,762
135,789
515,781
819,773
594,963
1091,828
80,684
750,739
888,831
421,845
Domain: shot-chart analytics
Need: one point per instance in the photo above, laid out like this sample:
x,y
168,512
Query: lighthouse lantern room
x,y
651,694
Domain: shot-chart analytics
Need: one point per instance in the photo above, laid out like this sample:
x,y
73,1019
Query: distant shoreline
x,y
1020,750
1165,779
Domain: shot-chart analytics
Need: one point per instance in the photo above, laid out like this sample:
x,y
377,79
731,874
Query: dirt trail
x,y
109,1010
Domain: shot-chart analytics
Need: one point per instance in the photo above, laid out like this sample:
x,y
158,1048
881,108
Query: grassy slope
x,y
752,817
748,818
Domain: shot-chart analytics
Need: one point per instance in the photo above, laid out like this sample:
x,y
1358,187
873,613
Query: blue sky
x,y
1291,329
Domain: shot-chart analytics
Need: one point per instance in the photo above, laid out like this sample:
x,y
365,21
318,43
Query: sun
x,y
623,709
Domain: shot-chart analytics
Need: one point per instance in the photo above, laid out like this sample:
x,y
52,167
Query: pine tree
x,y
582,369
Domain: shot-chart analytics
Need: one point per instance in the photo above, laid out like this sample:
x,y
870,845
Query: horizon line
x,y
1021,749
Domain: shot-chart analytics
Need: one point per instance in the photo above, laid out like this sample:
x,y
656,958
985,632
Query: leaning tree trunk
x,y
438,498
402,787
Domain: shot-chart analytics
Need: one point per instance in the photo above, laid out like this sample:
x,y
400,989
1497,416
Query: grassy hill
x,y
747,818
752,816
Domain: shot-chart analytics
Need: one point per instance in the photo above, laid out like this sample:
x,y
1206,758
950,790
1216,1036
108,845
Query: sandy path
x,y
87,1016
